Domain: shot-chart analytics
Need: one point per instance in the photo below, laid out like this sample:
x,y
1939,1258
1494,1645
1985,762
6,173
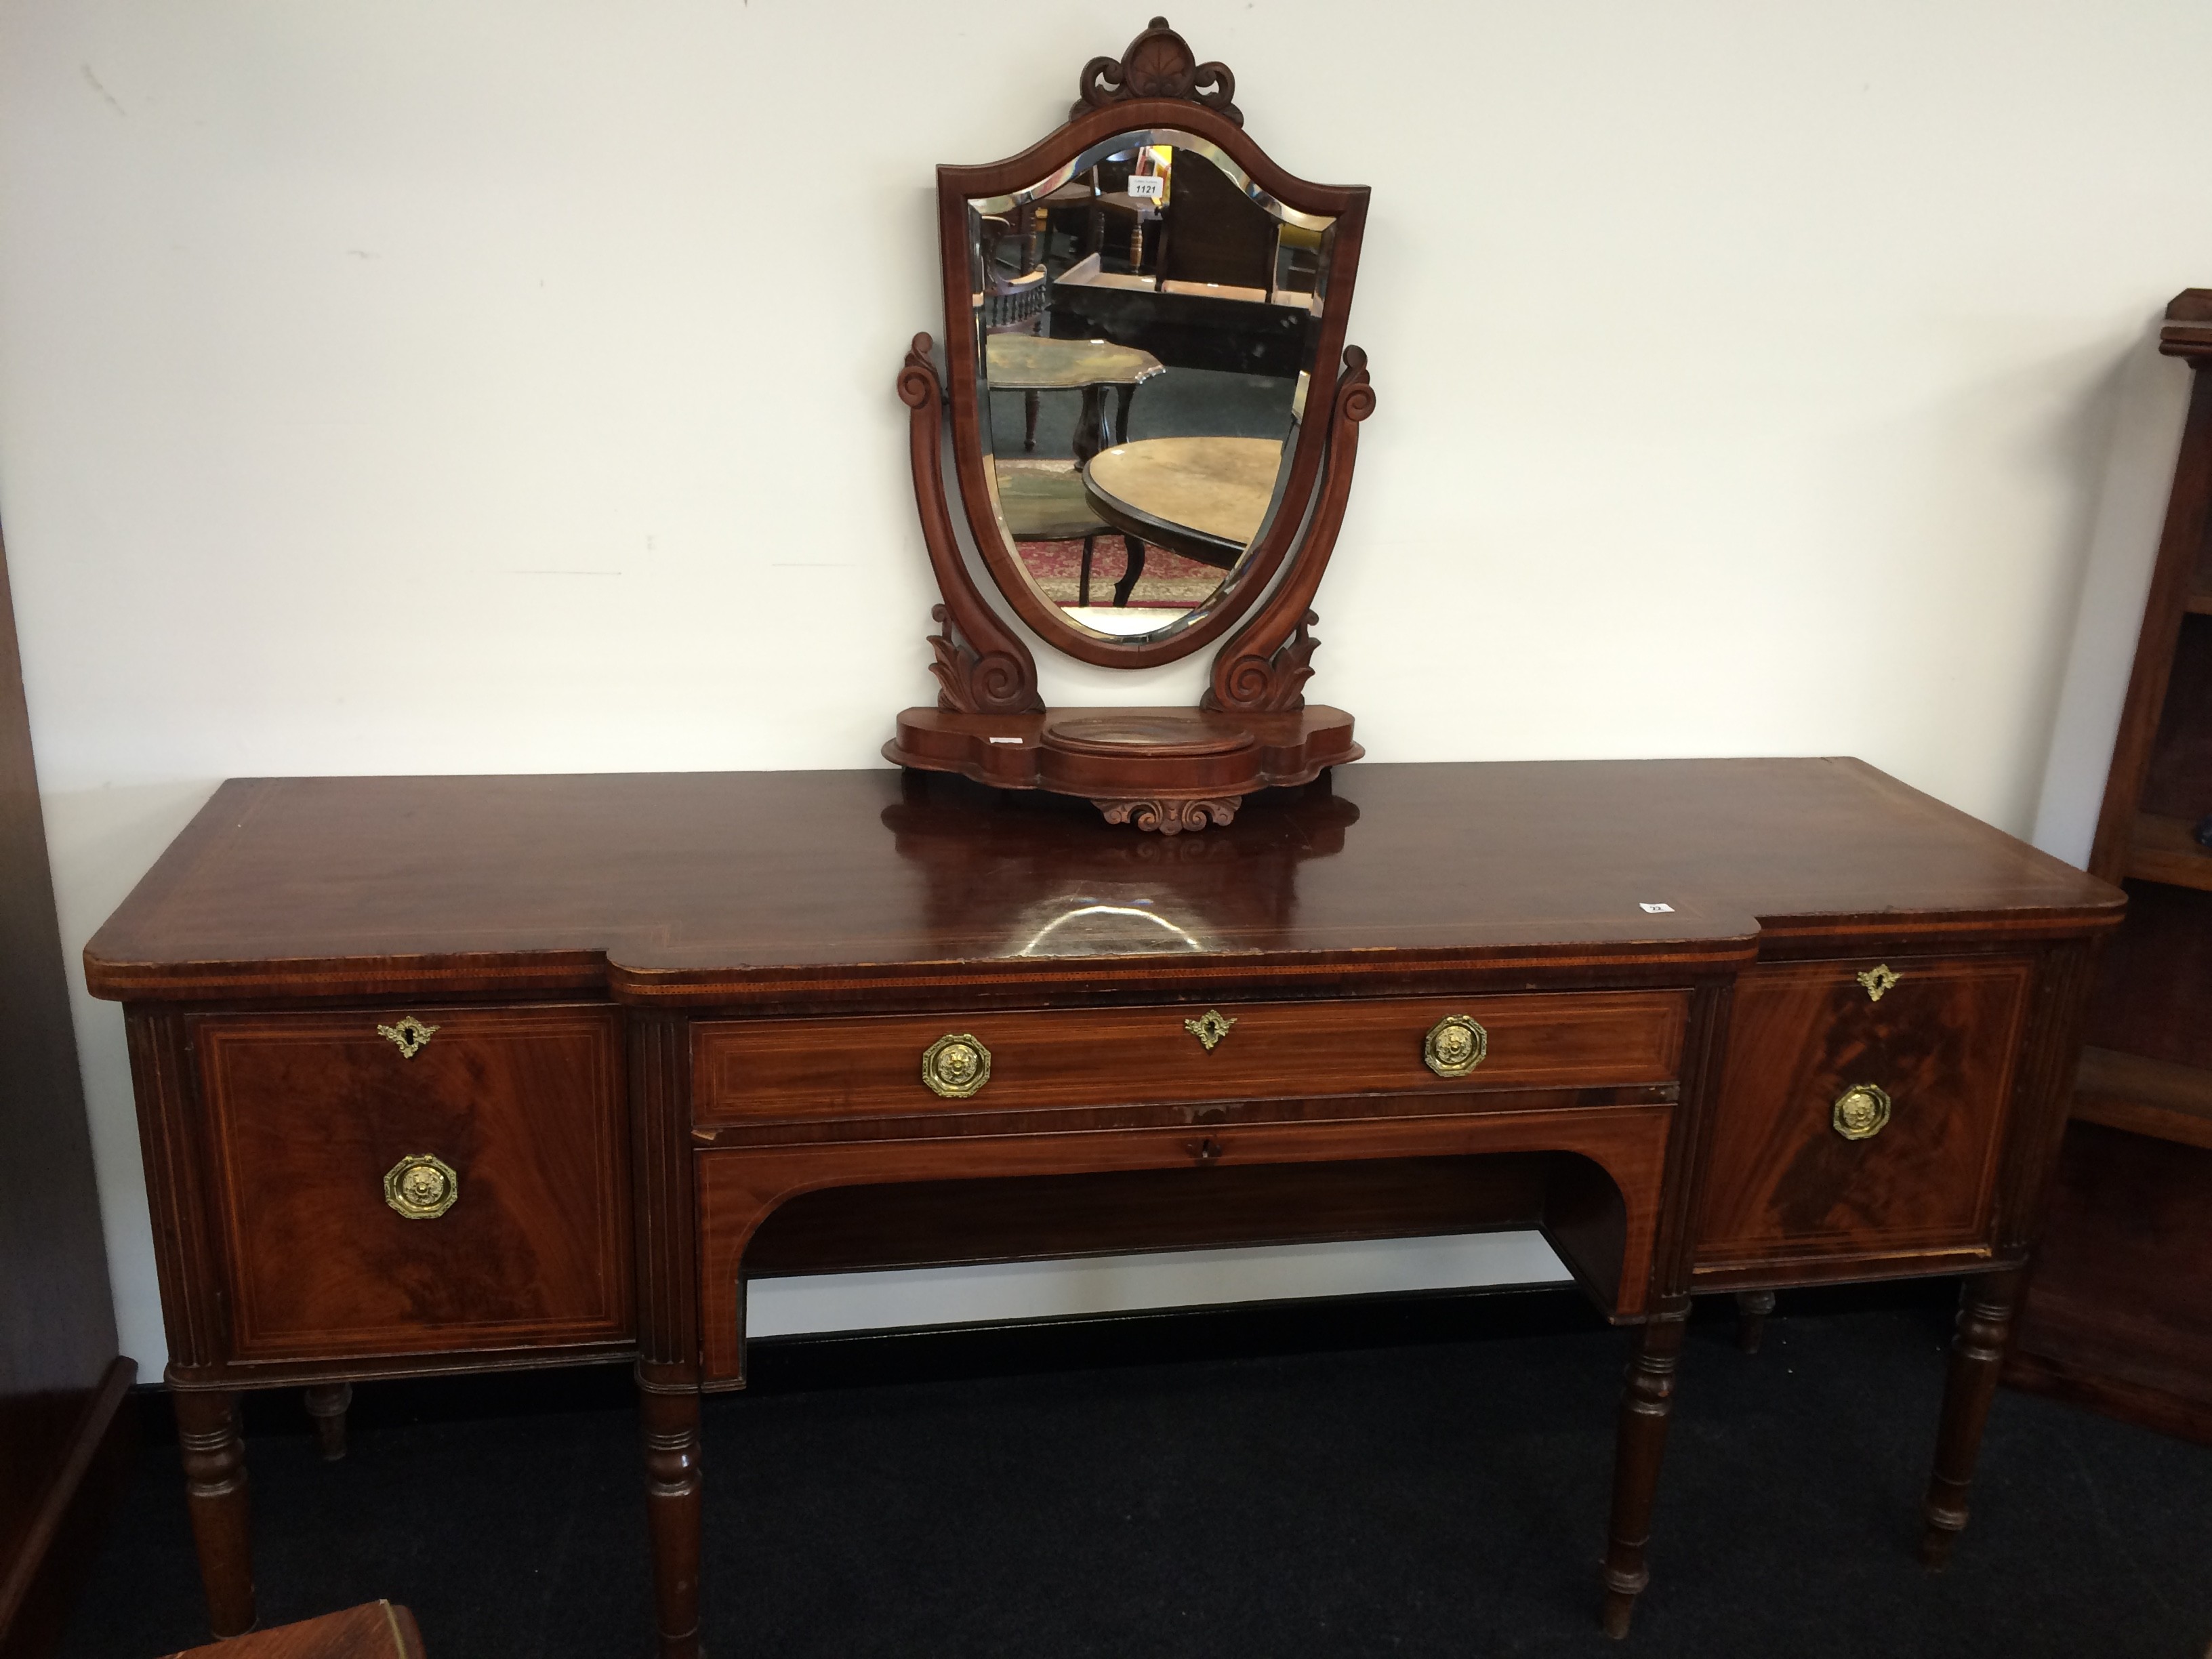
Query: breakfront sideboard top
x,y
736,887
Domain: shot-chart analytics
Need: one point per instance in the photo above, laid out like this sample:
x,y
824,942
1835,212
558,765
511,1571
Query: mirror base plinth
x,y
1166,770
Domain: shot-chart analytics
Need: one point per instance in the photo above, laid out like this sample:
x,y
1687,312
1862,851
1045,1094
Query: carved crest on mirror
x,y
1153,417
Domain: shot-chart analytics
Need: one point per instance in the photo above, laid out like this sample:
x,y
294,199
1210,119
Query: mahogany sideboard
x,y
471,1073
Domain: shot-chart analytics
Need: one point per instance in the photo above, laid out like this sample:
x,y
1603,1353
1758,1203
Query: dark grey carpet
x,y
1439,1496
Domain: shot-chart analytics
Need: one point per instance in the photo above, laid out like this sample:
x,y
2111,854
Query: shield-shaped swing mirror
x,y
1151,443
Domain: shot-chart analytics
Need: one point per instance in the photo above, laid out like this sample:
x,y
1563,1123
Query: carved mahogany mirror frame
x,y
983,666
1156,85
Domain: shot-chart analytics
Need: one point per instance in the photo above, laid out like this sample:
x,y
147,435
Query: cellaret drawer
x,y
417,1180
756,1071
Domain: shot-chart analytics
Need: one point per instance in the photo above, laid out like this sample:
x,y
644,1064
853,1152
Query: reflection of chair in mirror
x,y
1119,215
1017,291
1044,501
1122,217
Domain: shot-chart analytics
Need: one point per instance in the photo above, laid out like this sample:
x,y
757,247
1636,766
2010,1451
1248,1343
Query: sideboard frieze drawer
x,y
802,1070
417,1179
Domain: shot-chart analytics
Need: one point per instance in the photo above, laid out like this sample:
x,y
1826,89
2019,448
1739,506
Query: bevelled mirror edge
x,y
959,186
1213,419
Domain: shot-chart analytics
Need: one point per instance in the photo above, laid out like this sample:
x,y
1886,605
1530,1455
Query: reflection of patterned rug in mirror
x,y
1169,580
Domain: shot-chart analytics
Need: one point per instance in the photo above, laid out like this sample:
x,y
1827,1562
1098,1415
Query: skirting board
x,y
37,1587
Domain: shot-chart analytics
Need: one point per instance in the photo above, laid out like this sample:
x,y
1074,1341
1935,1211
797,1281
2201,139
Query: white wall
x,y
412,386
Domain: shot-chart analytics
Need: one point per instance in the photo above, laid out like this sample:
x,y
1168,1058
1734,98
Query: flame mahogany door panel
x,y
1782,1184
308,1112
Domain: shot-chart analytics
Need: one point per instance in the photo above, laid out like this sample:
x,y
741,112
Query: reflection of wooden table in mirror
x,y
1203,498
1035,362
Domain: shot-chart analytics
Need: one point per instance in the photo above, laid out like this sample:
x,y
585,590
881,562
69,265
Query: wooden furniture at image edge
x,y
377,1631
471,1073
2119,1315
66,1441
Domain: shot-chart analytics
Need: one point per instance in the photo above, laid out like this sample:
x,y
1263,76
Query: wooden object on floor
x,y
1752,1309
2118,1305
1647,1401
378,1630
65,1443
219,1499
2119,1315
327,1404
584,1053
1986,1305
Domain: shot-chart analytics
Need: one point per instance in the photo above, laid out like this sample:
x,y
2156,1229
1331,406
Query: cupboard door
x,y
1862,1109
382,1192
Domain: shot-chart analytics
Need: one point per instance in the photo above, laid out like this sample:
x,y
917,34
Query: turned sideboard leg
x,y
216,1490
670,1407
1986,1310
327,1403
1752,1308
1647,1401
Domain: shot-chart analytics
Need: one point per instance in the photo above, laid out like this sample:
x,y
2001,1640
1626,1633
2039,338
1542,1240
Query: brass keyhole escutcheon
x,y
421,1187
1209,1027
1862,1111
1455,1045
411,1034
956,1066
1879,980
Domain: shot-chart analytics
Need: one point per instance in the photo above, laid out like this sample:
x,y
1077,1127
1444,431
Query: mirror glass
x,y
1146,320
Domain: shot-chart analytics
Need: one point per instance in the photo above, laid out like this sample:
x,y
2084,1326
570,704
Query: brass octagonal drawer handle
x,y
1454,1046
421,1187
956,1066
1862,1111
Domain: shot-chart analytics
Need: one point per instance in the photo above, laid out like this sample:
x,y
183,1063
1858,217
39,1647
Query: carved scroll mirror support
x,y
1154,417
